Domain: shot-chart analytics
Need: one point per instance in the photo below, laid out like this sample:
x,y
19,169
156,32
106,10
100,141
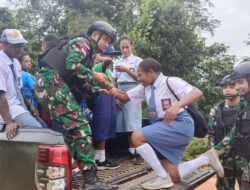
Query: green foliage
x,y
196,147
6,19
168,31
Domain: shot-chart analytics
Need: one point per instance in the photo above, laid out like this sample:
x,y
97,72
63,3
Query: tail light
x,y
53,168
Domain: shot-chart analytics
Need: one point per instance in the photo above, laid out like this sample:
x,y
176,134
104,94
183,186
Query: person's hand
x,y
107,60
103,91
11,129
171,113
101,79
111,92
119,104
121,68
34,111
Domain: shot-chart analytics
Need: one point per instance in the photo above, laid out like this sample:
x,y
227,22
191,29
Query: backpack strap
x,y
171,90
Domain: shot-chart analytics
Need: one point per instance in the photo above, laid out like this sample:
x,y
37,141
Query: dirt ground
x,y
210,185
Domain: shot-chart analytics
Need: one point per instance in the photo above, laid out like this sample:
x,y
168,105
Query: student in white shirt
x,y
129,115
162,143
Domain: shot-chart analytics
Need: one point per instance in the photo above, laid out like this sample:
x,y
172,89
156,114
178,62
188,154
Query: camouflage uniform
x,y
53,93
235,165
211,124
231,162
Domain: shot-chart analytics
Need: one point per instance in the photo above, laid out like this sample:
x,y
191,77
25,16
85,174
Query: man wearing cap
x,y
13,111
66,79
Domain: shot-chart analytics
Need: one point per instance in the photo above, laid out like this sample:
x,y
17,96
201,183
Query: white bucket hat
x,y
13,36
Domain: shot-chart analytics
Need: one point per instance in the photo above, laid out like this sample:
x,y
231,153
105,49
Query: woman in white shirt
x,y
129,115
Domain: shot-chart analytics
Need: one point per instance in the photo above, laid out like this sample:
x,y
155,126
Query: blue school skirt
x,y
129,118
170,140
104,118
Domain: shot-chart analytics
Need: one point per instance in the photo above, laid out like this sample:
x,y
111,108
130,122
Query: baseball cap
x,y
110,51
13,36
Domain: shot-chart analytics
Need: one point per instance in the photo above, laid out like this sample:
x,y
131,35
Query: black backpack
x,y
55,59
200,123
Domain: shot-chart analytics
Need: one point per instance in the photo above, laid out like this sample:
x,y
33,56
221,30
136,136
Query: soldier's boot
x,y
93,183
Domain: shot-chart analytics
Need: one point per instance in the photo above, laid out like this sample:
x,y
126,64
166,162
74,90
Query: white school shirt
x,y
163,96
132,62
7,85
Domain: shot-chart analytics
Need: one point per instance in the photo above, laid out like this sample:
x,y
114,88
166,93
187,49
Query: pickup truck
x,y
39,159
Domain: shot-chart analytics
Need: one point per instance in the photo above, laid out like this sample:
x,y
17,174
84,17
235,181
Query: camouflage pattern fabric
x,y
233,168
246,174
211,124
53,93
232,163
225,146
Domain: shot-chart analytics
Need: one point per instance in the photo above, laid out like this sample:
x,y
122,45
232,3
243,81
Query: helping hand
x,y
101,79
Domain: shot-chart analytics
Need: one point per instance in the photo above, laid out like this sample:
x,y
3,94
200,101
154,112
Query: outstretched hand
x,y
110,92
101,79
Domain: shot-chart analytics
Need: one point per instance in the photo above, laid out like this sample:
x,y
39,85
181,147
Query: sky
x,y
234,17
234,28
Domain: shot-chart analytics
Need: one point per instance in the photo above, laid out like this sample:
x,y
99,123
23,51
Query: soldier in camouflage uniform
x,y
224,119
239,136
60,87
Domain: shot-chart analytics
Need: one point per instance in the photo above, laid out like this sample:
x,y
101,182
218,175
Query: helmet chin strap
x,y
247,95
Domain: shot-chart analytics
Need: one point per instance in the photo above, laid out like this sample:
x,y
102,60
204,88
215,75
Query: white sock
x,y
131,150
97,155
148,154
190,166
102,156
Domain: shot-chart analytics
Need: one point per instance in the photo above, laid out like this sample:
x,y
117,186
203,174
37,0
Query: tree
x,y
169,32
6,19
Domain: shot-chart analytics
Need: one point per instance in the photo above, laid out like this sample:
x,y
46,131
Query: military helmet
x,y
102,27
227,80
241,70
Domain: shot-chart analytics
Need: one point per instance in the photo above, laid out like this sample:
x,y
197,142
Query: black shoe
x,y
138,160
89,176
107,165
100,185
93,183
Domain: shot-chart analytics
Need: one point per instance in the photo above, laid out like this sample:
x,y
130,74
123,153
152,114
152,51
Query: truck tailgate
x,y
18,157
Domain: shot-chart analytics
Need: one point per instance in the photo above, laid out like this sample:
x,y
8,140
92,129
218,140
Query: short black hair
x,y
125,37
150,63
51,40
21,55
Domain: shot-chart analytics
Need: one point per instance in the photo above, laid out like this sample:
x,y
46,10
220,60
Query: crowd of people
x,y
89,92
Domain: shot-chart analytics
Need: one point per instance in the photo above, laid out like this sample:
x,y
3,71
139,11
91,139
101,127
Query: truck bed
x,y
130,176
18,156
